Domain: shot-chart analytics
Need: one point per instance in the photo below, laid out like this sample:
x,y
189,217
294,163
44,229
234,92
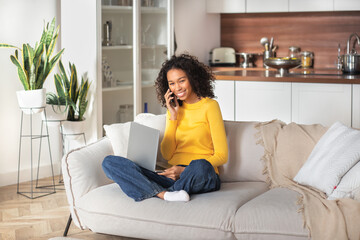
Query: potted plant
x,y
34,68
56,104
76,97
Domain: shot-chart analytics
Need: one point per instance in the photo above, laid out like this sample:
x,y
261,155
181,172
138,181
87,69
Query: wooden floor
x,y
41,218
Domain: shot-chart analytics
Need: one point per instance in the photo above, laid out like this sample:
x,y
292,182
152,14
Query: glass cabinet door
x,y
134,43
154,37
117,61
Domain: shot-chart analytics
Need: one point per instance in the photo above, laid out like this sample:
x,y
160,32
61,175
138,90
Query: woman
x,y
194,141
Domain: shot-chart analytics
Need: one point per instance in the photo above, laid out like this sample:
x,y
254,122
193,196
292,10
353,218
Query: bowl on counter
x,y
283,64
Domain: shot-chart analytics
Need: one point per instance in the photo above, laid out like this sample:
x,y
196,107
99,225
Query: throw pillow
x,y
334,154
349,186
118,133
151,120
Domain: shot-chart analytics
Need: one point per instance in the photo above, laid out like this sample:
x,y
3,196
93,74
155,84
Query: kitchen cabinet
x,y
225,6
141,37
346,5
253,6
310,5
303,103
262,101
225,93
321,103
264,6
356,105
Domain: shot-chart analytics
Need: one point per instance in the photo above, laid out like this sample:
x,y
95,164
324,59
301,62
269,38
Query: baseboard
x,y
25,174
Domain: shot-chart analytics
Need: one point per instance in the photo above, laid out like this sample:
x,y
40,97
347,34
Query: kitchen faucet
x,y
348,42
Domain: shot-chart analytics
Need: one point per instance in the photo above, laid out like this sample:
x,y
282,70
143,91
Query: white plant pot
x,y
73,129
32,101
55,113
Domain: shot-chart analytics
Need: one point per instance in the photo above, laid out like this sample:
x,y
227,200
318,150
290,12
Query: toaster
x,y
223,56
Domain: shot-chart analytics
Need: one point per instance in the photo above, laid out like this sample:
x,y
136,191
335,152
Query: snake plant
x,y
59,99
36,63
74,93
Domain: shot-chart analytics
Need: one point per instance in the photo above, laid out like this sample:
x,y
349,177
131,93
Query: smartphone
x,y
172,101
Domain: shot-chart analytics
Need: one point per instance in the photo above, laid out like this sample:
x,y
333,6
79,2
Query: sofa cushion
x,y
349,186
334,154
271,215
118,133
244,162
205,216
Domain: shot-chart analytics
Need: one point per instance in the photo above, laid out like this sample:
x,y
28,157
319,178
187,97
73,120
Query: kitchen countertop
x,y
294,75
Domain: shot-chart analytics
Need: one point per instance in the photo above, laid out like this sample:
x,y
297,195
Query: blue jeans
x,y
139,183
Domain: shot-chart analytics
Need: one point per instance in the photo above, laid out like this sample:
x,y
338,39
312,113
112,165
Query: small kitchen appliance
x,y
248,59
223,56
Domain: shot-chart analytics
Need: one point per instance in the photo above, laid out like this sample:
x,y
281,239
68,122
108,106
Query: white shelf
x,y
145,84
128,9
127,47
154,46
118,47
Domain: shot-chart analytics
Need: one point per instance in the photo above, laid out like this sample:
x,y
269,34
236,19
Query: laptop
x,y
143,145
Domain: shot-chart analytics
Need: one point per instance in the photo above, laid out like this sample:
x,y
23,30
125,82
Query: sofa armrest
x,y
82,171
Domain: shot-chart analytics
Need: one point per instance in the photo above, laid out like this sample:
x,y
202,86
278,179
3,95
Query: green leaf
x,y
21,73
64,77
32,79
59,87
4,45
39,50
43,36
53,43
84,88
50,33
41,69
26,60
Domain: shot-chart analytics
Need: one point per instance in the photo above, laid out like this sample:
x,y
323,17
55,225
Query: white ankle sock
x,y
180,196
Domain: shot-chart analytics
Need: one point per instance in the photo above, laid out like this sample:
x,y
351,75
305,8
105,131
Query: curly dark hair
x,y
200,76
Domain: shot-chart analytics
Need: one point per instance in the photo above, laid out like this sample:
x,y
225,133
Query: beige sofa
x,y
244,207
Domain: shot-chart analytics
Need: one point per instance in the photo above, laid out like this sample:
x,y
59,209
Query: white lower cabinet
x,y
225,93
262,101
302,103
321,103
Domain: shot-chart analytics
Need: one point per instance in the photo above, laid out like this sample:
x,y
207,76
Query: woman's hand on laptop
x,y
173,172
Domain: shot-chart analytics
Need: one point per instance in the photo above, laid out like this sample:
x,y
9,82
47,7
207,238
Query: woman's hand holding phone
x,y
172,104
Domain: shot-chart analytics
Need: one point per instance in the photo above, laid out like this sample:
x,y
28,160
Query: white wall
x,y
22,21
197,32
80,39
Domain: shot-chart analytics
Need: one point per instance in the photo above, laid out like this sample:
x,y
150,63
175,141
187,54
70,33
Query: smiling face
x,y
180,85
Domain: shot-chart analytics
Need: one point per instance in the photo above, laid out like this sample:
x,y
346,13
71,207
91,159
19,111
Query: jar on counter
x,y
307,59
294,52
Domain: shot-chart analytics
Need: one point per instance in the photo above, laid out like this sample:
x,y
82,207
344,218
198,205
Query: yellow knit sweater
x,y
198,133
